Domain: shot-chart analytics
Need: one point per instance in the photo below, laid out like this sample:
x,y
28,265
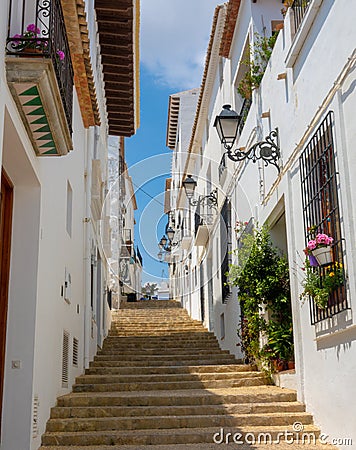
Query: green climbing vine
x,y
258,57
262,277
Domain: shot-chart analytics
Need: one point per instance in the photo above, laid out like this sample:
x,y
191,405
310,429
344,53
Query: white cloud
x,y
174,39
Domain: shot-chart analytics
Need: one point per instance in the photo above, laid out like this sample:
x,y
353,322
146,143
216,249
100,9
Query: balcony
x,y
203,223
186,239
299,8
40,75
126,236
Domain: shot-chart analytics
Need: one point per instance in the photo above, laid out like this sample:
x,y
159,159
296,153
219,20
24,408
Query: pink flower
x,y
323,239
17,36
61,55
311,245
32,29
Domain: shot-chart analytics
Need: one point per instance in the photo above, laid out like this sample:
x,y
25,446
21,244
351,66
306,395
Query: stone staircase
x,y
162,382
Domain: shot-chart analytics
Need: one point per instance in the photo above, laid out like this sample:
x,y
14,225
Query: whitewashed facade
x,y
56,313
307,90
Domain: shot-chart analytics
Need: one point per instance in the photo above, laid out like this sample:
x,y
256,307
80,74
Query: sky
x,y
173,42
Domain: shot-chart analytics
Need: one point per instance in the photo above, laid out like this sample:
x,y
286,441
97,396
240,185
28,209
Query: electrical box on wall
x,y
67,286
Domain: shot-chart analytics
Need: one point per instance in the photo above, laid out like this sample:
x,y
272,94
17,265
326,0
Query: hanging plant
x,y
319,287
259,55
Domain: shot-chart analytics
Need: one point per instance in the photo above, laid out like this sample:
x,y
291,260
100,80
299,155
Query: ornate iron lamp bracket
x,y
267,150
211,200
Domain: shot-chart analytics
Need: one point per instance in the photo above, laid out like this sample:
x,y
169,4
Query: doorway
x,y
6,199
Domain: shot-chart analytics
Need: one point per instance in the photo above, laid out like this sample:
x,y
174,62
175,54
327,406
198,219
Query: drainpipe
x,y
91,143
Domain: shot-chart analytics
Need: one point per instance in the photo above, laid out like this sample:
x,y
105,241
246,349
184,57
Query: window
x,y
69,209
321,207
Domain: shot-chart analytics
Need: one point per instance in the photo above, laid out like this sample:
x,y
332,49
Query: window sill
x,y
334,326
302,33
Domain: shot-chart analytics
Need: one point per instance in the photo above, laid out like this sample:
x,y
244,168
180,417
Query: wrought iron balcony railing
x,y
36,28
299,9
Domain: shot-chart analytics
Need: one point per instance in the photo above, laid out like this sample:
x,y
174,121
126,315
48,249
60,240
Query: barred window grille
x,y
65,359
321,208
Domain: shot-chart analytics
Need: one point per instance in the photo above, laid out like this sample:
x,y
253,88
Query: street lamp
x,y
227,124
162,243
170,233
189,185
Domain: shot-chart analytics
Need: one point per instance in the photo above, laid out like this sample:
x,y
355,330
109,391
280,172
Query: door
x,y
5,248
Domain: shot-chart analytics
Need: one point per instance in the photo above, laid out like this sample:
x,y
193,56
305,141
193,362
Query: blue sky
x,y
174,39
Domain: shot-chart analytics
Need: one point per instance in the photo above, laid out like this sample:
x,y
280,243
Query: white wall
x,y
42,250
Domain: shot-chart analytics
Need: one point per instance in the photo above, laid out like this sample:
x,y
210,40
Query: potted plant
x,y
30,41
320,288
320,250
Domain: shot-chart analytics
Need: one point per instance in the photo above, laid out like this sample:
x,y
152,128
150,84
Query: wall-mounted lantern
x,y
227,123
211,200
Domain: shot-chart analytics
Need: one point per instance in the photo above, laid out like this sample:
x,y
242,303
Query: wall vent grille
x,y
35,407
75,352
65,359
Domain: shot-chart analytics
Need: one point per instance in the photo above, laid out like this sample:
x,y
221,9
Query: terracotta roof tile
x,y
230,23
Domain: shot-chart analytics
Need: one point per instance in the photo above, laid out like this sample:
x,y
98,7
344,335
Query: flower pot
x,y
278,365
323,255
291,365
313,261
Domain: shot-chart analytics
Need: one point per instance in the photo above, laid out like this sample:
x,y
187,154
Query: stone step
x,y
169,357
171,346
195,397
158,331
158,325
163,351
252,380
168,369
173,422
162,340
165,436
162,378
184,410
280,445
162,362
